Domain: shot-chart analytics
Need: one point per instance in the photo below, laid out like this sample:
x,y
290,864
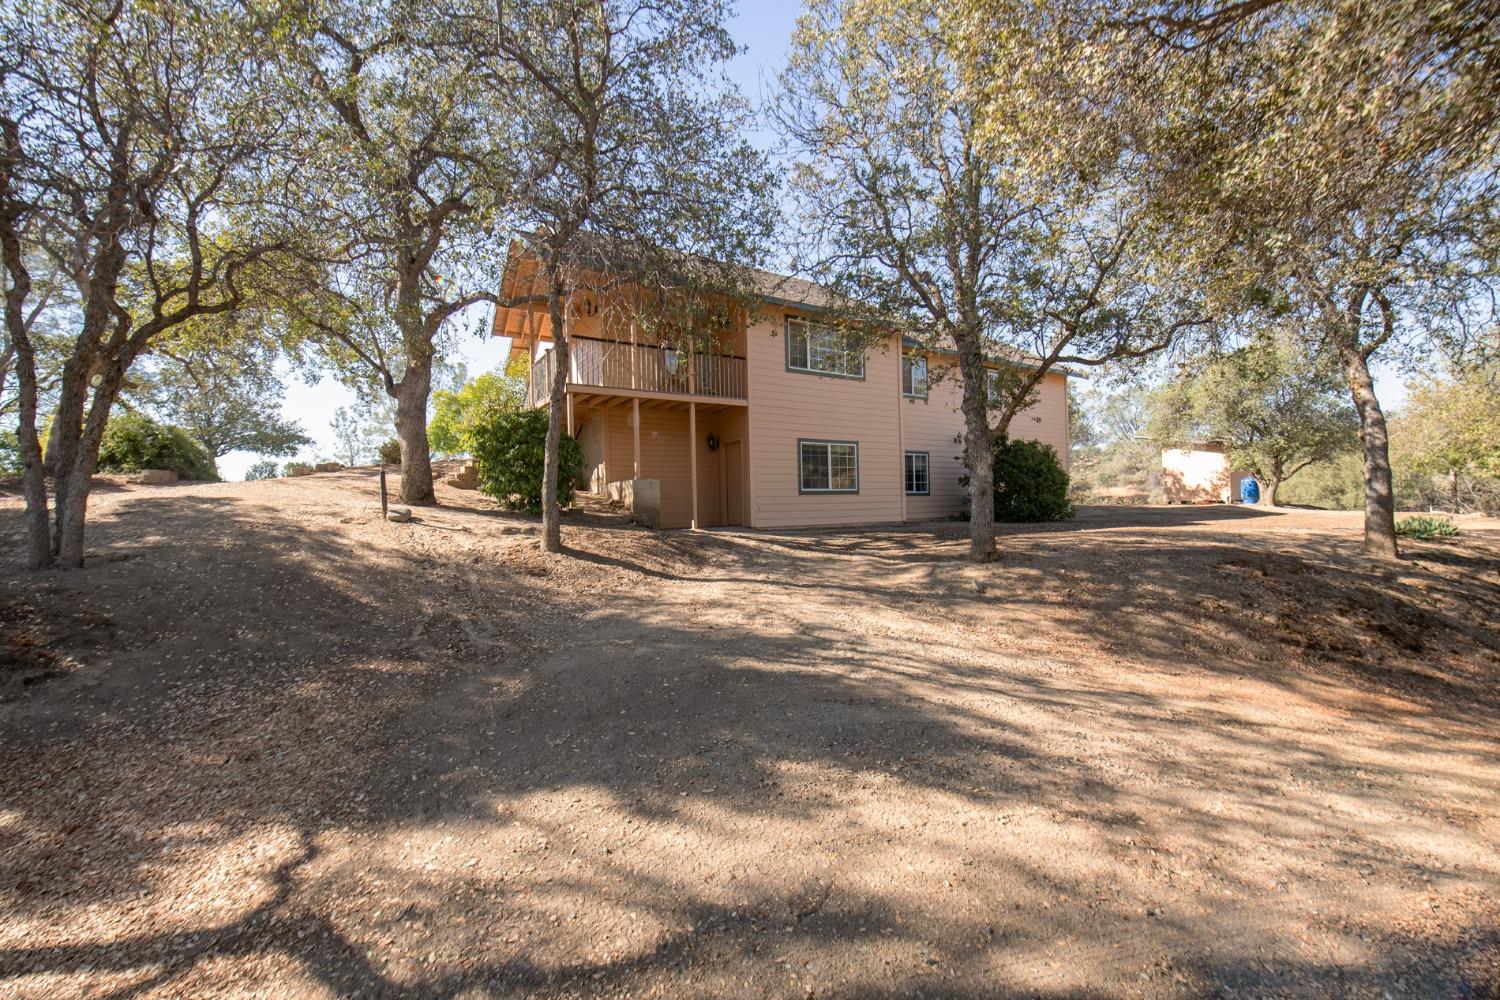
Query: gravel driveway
x,y
269,745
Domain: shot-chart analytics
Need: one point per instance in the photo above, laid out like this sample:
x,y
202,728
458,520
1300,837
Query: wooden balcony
x,y
639,370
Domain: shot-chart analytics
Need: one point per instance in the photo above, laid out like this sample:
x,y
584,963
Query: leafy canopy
x,y
1275,409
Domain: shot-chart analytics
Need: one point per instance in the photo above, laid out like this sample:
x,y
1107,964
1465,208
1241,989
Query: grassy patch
x,y
1426,527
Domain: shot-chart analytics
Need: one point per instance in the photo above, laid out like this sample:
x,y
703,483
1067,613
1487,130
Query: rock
x,y
328,467
300,470
398,514
155,477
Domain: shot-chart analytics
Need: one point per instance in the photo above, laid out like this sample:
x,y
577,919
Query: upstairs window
x,y
918,474
914,376
823,350
828,466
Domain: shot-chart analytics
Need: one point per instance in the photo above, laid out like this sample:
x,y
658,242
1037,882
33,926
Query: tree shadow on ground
x,y
924,816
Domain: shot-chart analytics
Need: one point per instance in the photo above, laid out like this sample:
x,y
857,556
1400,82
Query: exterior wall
x,y
935,425
787,406
1196,475
664,456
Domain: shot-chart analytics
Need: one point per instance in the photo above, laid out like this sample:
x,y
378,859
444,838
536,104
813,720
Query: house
x,y
1199,473
779,426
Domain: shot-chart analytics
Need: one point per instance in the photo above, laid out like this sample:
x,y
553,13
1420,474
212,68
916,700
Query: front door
x,y
734,482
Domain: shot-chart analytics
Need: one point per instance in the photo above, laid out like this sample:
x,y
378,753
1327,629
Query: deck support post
x,y
570,414
693,457
635,428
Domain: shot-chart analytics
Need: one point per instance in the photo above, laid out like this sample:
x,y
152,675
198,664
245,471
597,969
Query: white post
x,y
570,414
693,457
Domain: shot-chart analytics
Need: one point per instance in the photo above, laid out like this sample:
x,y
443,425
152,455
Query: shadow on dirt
x,y
443,694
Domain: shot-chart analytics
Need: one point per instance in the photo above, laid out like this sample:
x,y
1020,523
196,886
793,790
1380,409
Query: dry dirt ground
x,y
270,745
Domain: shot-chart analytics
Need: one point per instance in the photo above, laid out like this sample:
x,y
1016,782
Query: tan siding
x,y
664,437
935,426
664,456
1046,420
932,425
787,406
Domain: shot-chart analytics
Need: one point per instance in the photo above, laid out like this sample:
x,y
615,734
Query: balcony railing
x,y
610,364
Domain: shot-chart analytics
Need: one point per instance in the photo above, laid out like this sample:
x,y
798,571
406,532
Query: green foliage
x,y
1113,463
1426,527
509,457
360,431
1030,484
1275,409
457,414
264,469
1335,484
215,378
10,453
1450,426
133,442
390,452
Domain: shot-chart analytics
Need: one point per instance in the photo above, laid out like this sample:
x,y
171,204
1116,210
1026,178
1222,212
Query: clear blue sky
x,y
764,28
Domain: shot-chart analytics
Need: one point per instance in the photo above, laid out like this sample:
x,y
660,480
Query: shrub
x,y
1424,526
390,452
133,442
1030,484
10,454
456,416
264,469
509,456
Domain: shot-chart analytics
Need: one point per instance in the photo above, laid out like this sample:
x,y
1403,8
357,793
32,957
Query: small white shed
x,y
1199,473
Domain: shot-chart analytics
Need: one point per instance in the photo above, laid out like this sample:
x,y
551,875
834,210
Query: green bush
x,y
510,455
1425,526
133,442
1030,484
390,452
456,416
264,469
10,454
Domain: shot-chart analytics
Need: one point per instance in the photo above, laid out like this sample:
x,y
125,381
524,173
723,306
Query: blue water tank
x,y
1249,490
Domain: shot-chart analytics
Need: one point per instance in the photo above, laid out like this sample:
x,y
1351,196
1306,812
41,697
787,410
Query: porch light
x,y
673,358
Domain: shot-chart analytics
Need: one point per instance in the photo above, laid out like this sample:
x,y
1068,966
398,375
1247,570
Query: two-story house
x,y
780,426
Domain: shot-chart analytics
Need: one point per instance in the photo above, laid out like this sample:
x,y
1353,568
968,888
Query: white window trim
x,y
927,457
913,360
803,490
811,328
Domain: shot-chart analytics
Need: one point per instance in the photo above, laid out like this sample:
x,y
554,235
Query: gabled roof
x,y
521,323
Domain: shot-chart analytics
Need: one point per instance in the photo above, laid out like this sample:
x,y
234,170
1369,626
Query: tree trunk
x,y
1453,490
1268,495
411,428
1380,499
33,478
979,452
557,409
74,480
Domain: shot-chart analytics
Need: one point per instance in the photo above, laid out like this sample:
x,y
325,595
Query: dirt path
x,y
291,750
